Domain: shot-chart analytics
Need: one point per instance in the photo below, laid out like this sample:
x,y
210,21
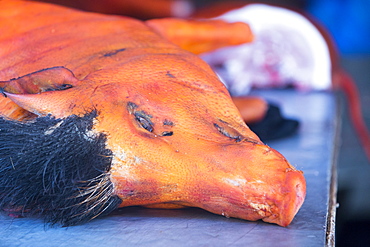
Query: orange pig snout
x,y
274,198
245,185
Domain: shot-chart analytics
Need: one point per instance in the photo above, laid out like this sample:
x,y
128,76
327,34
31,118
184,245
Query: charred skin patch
x,y
167,133
2,91
55,168
167,122
170,75
115,52
131,106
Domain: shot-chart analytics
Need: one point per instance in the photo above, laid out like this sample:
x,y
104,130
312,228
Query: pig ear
x,y
50,79
199,36
33,93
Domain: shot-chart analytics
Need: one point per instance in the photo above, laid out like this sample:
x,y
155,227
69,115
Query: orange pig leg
x,y
252,109
199,36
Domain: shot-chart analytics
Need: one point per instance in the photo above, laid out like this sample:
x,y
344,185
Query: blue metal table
x,y
312,150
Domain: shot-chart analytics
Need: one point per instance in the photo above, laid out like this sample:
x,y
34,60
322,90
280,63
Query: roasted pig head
x,y
124,122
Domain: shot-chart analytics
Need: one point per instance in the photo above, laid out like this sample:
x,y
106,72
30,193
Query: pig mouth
x,y
55,168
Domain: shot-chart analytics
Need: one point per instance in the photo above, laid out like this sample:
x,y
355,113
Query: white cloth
x,y
288,50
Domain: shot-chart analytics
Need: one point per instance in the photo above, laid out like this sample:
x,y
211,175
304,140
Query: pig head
x,y
148,127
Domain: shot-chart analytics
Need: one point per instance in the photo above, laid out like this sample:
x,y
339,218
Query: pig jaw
x,y
241,189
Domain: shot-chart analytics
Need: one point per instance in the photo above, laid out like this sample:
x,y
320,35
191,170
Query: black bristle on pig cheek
x,y
55,168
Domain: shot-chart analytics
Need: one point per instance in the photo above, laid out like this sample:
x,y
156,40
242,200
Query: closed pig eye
x,y
141,117
144,120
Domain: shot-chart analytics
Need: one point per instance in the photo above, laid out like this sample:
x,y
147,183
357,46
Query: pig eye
x,y
233,134
223,131
144,120
141,117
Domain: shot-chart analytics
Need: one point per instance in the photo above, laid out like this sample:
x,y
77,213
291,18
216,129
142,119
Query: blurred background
x,y
348,22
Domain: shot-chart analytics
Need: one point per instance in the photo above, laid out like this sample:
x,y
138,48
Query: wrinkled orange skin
x,y
212,160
